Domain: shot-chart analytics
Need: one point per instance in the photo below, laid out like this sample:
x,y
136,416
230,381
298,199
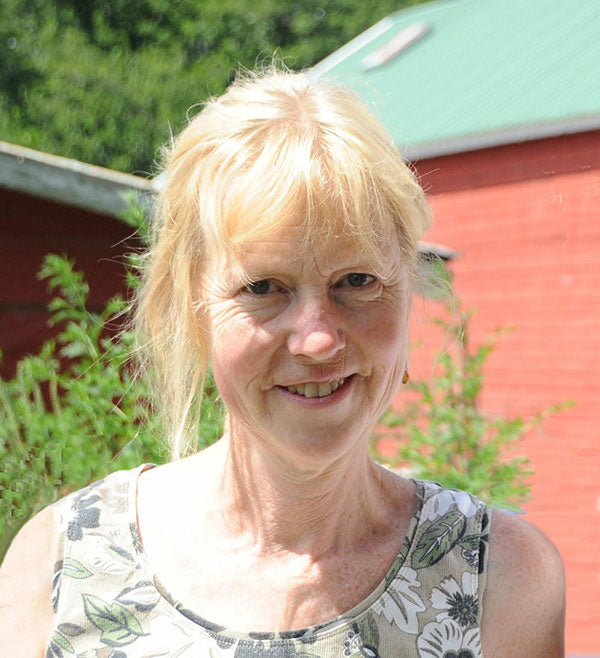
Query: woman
x,y
284,250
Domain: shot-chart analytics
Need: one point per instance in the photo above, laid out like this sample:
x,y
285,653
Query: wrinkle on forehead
x,y
324,232
275,256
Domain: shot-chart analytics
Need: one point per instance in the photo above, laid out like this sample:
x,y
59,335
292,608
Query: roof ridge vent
x,y
395,45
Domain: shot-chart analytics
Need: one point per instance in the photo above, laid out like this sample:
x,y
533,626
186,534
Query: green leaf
x,y
393,572
118,625
470,542
369,631
72,630
403,553
62,642
74,569
439,538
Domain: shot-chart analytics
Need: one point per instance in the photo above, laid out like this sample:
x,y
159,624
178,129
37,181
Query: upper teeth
x,y
314,389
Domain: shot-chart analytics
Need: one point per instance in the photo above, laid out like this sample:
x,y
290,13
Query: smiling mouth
x,y
316,389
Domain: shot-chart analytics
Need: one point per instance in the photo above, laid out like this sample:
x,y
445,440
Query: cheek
x,y
385,330
232,367
239,350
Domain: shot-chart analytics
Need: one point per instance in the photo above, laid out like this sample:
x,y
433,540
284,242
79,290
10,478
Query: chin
x,y
321,447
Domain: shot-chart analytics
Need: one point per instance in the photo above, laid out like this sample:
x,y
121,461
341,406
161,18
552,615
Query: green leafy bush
x,y
75,411
442,433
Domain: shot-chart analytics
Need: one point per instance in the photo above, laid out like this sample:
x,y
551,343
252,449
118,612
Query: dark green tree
x,y
108,82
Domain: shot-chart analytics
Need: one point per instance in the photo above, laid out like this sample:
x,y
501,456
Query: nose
x,y
316,330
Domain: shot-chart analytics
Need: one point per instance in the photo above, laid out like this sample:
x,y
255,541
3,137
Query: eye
x,y
262,287
357,280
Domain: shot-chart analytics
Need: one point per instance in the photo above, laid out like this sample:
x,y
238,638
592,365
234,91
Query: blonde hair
x,y
276,146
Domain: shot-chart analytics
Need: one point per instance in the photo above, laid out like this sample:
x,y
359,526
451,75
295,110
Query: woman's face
x,y
310,353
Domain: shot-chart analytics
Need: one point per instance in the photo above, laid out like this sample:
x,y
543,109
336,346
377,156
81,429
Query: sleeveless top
x,y
108,604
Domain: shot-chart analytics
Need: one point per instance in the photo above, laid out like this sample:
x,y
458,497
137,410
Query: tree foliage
x,y
108,82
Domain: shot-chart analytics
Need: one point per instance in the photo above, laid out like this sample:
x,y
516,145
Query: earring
x,y
405,376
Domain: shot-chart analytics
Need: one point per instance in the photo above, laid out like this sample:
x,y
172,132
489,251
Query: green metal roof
x,y
487,72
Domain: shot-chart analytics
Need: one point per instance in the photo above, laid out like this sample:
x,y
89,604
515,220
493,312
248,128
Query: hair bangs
x,y
294,182
269,194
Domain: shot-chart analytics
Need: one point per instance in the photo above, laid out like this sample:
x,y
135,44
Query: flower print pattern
x,y
56,585
172,637
108,558
458,604
109,605
444,500
470,550
446,639
355,646
400,604
353,642
276,649
85,516
484,538
474,546
117,625
143,596
439,539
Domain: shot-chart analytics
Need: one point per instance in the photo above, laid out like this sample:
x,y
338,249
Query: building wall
x,y
31,228
525,220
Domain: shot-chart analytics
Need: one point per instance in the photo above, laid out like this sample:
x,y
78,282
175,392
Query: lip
x,y
332,398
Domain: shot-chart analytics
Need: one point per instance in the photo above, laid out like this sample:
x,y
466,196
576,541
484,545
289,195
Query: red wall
x,y
525,220
31,228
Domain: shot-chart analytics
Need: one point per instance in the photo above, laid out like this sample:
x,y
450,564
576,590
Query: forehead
x,y
290,249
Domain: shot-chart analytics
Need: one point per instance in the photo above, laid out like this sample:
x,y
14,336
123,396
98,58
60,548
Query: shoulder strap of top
x,y
449,549
88,522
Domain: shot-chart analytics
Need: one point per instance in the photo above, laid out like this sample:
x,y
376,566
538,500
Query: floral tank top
x,y
108,603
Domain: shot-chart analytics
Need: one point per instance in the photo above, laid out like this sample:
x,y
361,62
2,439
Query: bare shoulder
x,y
525,592
26,587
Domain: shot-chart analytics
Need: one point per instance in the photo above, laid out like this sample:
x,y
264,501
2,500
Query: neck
x,y
279,507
